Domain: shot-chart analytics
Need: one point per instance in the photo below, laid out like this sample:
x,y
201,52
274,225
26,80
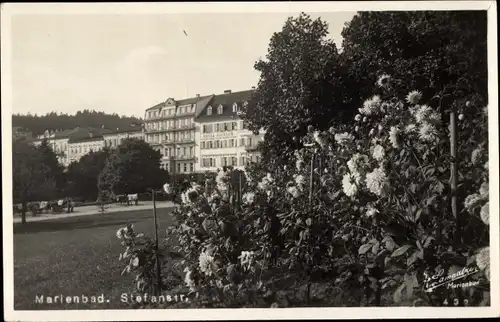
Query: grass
x,y
76,256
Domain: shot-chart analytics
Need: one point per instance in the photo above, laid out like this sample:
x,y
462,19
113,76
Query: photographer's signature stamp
x,y
451,281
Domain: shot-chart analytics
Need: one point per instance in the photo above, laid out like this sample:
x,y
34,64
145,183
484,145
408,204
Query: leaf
x,y
364,248
428,241
398,293
412,259
400,251
376,248
439,187
411,282
389,243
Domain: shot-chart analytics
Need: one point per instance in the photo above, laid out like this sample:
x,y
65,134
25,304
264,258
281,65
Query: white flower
x,y
394,136
484,190
471,201
434,118
357,118
380,127
167,188
476,155
383,80
266,183
294,191
376,181
356,129
378,153
249,197
343,138
428,133
300,180
411,128
349,186
207,264
485,213
246,259
120,233
371,211
483,260
134,261
372,131
365,119
422,113
461,117
414,97
299,164
371,106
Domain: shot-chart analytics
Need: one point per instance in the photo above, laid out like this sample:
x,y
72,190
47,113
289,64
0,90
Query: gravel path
x,y
94,210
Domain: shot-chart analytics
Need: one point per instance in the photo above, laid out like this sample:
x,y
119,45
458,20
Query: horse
x,y
133,198
121,199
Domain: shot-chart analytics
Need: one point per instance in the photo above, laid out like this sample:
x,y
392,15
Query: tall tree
x,y
84,174
134,167
49,159
424,50
32,179
301,84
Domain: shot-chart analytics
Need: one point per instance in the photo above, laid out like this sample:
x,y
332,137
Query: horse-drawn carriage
x,y
128,199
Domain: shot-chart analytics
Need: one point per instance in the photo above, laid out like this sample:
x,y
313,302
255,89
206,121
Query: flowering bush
x,y
365,214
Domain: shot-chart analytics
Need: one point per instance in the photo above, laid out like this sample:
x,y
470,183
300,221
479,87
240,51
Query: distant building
x,y
223,139
170,129
21,133
58,140
83,141
115,138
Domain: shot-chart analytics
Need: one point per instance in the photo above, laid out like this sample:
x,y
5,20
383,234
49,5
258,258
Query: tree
x,y
31,179
301,84
425,50
49,159
84,174
132,168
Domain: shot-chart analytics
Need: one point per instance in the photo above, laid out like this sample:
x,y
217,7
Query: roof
x,y
227,101
88,134
131,129
185,101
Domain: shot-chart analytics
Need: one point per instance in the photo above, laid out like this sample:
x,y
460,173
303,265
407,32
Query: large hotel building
x,y
201,133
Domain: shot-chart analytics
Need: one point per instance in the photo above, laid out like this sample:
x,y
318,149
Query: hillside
x,y
52,121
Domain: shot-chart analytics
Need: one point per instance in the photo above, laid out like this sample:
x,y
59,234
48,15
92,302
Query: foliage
x,y
49,159
133,167
31,179
300,84
86,118
84,174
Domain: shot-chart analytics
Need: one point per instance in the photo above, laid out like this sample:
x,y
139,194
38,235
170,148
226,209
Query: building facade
x,y
223,139
115,138
169,127
72,145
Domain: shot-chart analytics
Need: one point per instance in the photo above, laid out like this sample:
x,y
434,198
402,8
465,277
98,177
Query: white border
x,y
7,10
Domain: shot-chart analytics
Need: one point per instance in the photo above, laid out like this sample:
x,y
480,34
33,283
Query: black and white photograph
x,y
309,160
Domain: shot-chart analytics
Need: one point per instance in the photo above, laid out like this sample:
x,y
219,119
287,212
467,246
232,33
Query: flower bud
x,y
372,131
356,129
461,117
365,119
467,104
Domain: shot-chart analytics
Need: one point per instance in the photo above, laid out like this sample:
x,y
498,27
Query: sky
x,y
125,64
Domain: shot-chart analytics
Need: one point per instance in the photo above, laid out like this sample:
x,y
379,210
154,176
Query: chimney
x,y
197,95
227,91
253,88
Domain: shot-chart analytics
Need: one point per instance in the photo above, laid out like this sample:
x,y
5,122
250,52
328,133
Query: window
x,y
184,151
234,126
209,110
224,159
235,107
250,141
242,142
203,144
191,166
204,129
191,151
225,143
220,109
233,161
226,127
211,144
185,167
217,144
178,151
178,167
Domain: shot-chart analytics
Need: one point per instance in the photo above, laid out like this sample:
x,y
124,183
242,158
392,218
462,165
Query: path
x,y
94,210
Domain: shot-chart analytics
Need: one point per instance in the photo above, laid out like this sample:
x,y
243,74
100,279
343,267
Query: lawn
x,y
76,256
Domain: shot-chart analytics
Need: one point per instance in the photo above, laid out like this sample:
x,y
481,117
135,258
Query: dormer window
x,y
235,107
209,110
219,109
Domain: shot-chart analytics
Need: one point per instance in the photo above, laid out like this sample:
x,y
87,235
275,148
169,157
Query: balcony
x,y
168,142
185,127
185,157
155,130
185,141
